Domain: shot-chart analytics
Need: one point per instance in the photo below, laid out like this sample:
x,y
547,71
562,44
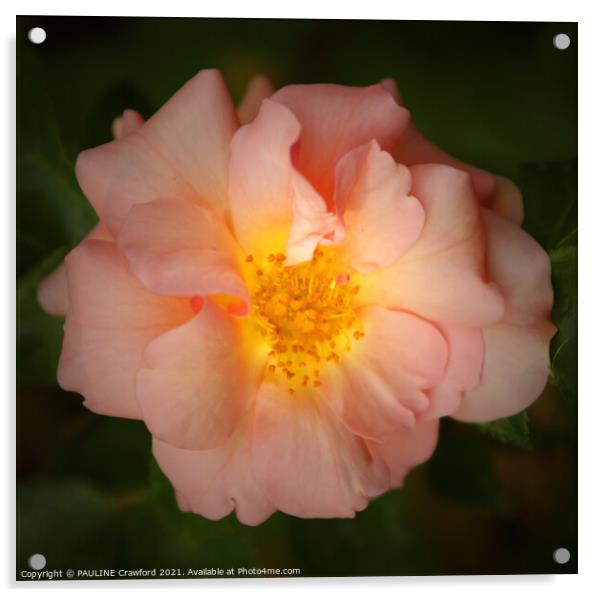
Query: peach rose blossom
x,y
291,297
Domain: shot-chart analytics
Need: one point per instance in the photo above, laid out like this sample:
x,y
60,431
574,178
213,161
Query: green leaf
x,y
564,315
513,431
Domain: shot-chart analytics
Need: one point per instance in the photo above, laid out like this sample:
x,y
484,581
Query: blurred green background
x,y
494,499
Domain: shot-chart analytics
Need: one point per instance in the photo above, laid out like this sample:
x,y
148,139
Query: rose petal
x,y
368,404
127,123
216,482
516,365
442,276
515,372
372,194
260,179
521,268
406,449
463,370
52,291
507,200
305,461
396,341
195,385
178,248
379,386
111,319
391,86
182,502
258,89
334,120
268,198
181,152
312,223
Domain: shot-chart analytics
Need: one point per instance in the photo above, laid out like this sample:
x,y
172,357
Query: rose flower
x,y
293,303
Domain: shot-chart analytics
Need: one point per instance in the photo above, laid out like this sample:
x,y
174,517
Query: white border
x,y
590,295
509,10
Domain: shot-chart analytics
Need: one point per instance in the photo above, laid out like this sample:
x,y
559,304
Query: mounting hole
x,y
37,561
561,41
37,35
561,555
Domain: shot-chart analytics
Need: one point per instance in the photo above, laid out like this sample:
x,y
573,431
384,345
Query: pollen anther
x,y
303,311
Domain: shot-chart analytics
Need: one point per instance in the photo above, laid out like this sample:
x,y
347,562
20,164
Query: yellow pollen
x,y
303,312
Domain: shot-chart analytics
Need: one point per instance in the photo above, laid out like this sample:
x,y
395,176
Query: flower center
x,y
305,314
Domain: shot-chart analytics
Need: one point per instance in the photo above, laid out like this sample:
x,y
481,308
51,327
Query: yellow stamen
x,y
303,311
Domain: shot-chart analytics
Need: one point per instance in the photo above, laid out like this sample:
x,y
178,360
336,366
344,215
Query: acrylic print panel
x,y
266,328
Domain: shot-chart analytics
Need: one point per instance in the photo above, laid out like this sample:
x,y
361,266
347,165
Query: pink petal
x,y
131,121
127,123
515,371
182,502
178,248
395,341
442,276
335,119
305,461
406,449
521,268
99,232
372,194
378,388
260,179
181,152
215,482
111,320
463,371
268,198
312,223
368,404
391,86
52,291
516,365
193,131
507,200
195,385
258,89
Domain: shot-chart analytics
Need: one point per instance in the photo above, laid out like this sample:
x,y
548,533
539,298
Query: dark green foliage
x,y
564,346
513,431
462,470
68,521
